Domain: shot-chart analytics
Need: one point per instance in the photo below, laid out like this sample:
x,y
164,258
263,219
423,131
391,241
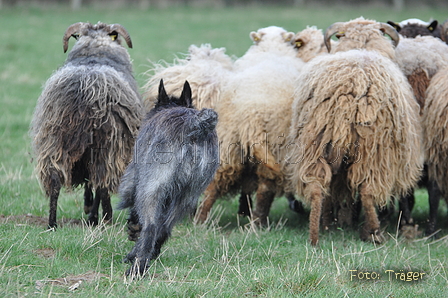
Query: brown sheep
x,y
354,125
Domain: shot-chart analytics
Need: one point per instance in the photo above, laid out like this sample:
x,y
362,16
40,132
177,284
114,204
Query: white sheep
x,y
254,117
354,125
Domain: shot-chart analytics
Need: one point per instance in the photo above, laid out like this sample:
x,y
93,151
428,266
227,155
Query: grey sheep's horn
x,y
389,30
332,30
69,32
123,32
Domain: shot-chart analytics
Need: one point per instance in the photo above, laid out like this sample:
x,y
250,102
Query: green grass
x,y
225,258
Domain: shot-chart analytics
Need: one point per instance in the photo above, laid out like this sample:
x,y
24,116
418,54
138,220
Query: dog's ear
x,y
163,98
185,97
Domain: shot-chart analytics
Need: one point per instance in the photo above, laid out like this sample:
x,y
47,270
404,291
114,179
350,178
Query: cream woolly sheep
x,y
254,116
435,139
205,68
414,27
86,118
354,125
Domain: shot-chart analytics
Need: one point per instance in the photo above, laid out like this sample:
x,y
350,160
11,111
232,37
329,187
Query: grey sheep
x,y
86,118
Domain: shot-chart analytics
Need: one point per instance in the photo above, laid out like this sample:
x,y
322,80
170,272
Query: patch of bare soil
x,y
46,253
30,219
72,282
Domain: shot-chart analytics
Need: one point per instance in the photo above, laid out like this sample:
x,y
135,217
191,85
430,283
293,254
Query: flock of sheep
x,y
338,124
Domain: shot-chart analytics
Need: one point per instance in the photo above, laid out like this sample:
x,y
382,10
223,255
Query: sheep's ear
x,y
298,43
395,25
163,98
185,97
288,36
255,36
433,26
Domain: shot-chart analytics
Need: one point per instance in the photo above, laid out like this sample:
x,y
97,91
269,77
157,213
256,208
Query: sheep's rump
x,y
435,122
205,69
365,126
84,126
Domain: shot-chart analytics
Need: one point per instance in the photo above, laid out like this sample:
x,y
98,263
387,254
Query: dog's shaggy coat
x,y
175,158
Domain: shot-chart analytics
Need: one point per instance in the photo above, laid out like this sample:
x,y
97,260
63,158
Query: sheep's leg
x,y
294,204
210,197
93,216
434,195
245,204
105,204
406,203
371,229
315,196
134,227
88,198
55,187
356,207
328,214
265,197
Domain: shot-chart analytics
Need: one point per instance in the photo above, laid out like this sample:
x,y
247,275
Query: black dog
x,y
176,156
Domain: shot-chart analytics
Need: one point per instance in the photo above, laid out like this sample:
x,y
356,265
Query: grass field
x,y
226,257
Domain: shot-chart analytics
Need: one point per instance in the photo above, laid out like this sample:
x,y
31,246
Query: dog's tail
x,y
207,120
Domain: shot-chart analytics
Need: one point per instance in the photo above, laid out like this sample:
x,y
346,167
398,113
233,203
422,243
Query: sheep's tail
x,y
207,121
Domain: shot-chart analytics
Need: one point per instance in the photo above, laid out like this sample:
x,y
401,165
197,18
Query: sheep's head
x,y
362,34
102,33
414,27
271,33
308,43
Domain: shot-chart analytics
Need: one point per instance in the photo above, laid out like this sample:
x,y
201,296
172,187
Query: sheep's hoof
x,y
314,241
92,221
260,221
410,231
87,209
373,236
243,211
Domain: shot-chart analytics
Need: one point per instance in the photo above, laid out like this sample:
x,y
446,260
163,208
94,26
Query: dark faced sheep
x,y
175,158
354,125
414,27
86,118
